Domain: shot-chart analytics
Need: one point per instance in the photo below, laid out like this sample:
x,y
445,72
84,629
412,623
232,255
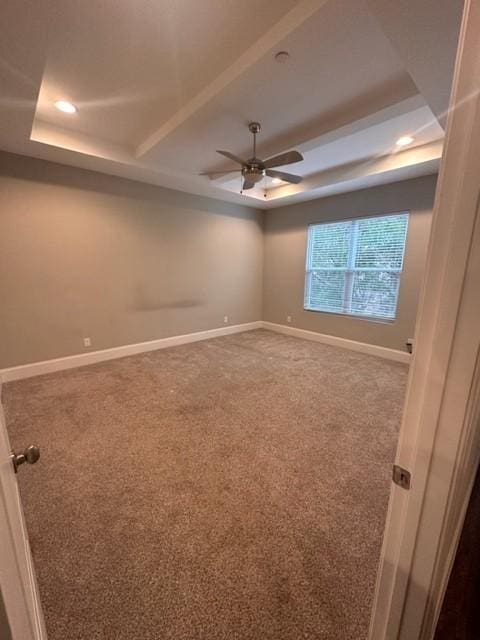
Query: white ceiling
x,y
161,84
130,65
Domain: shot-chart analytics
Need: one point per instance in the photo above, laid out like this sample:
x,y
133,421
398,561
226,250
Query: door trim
x,y
19,583
423,524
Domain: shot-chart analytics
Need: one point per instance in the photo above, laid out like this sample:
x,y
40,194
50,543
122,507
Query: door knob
x,y
30,455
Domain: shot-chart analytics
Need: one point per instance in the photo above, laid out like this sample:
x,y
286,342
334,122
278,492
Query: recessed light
x,y
276,180
404,140
65,106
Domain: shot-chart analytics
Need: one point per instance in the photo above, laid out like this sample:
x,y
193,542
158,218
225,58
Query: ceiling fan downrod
x,y
254,128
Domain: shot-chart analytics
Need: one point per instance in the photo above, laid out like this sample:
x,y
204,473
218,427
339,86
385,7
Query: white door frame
x,y
17,574
439,437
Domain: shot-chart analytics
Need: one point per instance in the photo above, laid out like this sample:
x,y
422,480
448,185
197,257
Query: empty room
x,y
226,306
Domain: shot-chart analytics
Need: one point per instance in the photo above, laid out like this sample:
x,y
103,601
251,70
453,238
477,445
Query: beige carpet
x,y
231,489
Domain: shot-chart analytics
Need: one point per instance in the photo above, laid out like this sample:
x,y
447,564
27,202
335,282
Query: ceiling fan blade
x,y
247,185
227,154
283,158
286,177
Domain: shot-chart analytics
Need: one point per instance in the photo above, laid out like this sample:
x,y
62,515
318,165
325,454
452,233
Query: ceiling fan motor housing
x,y
253,172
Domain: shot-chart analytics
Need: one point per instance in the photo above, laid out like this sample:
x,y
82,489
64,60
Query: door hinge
x,y
401,476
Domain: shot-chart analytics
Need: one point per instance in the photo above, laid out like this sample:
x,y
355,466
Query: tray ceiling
x,y
159,85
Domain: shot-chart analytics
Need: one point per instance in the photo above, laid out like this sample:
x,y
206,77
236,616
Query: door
x,y
439,439
18,583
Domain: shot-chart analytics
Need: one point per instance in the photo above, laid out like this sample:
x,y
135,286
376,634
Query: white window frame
x,y
351,270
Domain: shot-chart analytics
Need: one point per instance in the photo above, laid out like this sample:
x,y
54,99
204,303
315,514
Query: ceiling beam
x,y
290,21
313,142
364,171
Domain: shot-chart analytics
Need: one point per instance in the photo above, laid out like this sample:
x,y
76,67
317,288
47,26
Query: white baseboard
x,y
82,359
353,345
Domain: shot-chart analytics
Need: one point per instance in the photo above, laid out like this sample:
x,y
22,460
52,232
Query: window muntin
x,y
354,266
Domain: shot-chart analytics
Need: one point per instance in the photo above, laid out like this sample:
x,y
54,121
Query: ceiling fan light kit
x,y
254,169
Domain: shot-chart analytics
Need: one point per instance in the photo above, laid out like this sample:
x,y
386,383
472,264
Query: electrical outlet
x,y
225,319
289,319
87,342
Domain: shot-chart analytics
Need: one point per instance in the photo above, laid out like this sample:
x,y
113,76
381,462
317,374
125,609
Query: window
x,y
354,266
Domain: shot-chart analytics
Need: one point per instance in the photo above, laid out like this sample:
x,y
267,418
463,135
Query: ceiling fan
x,y
253,170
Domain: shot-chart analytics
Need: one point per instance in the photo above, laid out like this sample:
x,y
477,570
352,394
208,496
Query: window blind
x,y
354,266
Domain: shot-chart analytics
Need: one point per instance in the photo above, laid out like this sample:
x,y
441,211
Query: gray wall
x,y
284,259
89,255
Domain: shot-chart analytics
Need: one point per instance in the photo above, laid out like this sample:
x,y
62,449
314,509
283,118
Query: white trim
x,y
82,359
344,343
19,583
439,437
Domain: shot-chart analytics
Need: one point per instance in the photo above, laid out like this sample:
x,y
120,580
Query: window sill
x,y
352,316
